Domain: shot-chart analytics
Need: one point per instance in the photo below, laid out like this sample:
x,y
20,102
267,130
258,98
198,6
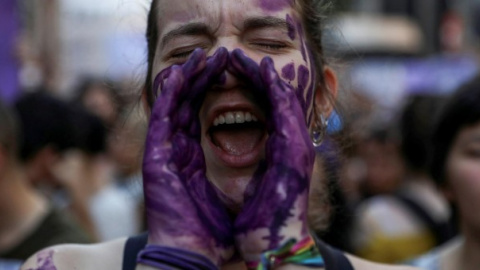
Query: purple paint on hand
x,y
281,181
45,260
288,72
182,207
275,5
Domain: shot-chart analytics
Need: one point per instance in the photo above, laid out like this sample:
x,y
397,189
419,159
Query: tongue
x,y
237,140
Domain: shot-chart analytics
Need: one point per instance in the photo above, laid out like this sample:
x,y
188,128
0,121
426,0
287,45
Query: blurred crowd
x,y
70,165
70,169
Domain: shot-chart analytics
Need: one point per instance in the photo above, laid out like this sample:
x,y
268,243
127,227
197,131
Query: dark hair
x,y
461,110
416,124
89,131
8,130
44,120
312,11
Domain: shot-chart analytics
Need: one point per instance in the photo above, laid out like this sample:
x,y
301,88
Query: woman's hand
x,y
183,210
277,210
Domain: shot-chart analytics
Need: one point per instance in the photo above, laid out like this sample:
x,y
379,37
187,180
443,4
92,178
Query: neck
x,y
468,256
21,208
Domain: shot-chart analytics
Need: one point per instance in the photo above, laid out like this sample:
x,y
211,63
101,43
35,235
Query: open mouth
x,y
238,136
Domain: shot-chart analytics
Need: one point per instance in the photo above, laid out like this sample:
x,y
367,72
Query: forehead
x,y
218,12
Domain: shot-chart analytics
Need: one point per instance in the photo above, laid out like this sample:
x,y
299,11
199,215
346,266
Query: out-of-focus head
x,y
456,162
89,131
100,97
8,132
461,111
44,121
416,124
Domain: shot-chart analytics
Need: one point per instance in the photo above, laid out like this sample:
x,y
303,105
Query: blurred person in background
x,y
381,168
101,97
125,147
455,168
88,177
28,221
413,217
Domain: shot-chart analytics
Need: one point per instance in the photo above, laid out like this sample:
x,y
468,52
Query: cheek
x,y
464,178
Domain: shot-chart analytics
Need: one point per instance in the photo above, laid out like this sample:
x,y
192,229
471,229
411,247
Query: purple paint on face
x,y
275,5
288,72
45,261
302,39
291,27
303,76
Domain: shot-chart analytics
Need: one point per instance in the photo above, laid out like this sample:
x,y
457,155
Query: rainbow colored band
x,y
303,253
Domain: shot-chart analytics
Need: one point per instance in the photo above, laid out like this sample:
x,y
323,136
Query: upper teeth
x,y
234,118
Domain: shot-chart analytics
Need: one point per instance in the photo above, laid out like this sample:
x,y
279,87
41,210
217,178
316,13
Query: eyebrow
x,y
189,29
264,22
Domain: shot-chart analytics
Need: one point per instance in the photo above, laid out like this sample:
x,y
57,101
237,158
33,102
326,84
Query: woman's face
x,y
463,175
258,27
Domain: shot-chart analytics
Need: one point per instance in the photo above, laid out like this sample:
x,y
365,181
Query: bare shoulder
x,y
107,256
361,264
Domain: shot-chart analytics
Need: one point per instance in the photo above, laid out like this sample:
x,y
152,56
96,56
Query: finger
x,y
168,100
195,63
159,81
214,67
244,67
289,132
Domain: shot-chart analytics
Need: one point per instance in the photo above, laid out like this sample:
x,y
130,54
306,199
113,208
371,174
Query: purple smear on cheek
x,y
288,72
45,261
275,5
303,76
291,27
302,39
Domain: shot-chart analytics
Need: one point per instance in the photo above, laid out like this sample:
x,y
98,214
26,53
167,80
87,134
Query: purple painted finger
x,y
214,67
244,67
182,207
281,195
194,64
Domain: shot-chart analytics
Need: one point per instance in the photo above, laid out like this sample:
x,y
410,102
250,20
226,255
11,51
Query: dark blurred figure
x,y
414,217
380,165
87,175
47,133
101,97
455,168
28,222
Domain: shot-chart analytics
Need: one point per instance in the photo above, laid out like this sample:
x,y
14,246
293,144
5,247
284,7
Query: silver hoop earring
x,y
319,130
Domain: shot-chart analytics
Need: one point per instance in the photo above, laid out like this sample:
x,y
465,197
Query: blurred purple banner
x,y
9,28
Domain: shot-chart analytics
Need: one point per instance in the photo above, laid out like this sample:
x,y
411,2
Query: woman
x,y
456,169
228,159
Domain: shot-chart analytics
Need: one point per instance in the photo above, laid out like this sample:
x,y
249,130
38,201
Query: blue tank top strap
x,y
133,246
334,259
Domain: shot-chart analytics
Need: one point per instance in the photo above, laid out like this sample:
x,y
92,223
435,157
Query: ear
x,y
325,98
